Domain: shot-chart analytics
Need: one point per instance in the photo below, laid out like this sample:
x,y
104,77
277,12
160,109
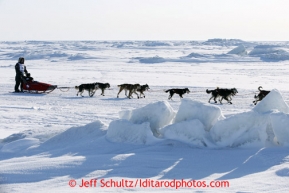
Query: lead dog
x,y
261,95
128,87
90,87
102,86
178,91
223,93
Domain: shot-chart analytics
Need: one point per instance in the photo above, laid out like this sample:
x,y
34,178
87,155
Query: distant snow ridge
x,y
240,50
269,52
155,43
223,42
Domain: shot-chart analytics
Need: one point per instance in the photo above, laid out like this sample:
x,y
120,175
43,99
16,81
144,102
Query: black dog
x,y
261,95
91,88
102,86
178,91
223,93
141,89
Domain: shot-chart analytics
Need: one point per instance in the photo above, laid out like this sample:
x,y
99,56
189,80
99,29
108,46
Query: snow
x,y
270,52
46,140
207,114
240,50
156,114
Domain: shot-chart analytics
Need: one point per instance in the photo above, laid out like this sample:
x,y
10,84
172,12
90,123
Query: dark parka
x,y
19,73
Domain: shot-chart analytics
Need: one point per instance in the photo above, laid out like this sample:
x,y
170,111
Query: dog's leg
x,y
92,92
136,94
221,100
171,95
130,94
210,99
215,99
81,93
102,92
120,89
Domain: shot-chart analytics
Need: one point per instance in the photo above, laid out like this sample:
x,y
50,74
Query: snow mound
x,y
280,125
20,145
273,101
255,125
151,60
191,132
195,55
78,135
124,131
158,114
270,52
240,50
207,114
240,129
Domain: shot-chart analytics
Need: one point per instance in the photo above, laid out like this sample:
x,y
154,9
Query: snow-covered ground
x,y
147,144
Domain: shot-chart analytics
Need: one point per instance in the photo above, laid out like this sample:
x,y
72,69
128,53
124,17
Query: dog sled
x,y
37,87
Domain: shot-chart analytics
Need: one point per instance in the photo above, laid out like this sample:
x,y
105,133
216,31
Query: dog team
x,y
218,93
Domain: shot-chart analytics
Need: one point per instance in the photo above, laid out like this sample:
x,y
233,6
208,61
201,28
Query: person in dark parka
x,y
20,69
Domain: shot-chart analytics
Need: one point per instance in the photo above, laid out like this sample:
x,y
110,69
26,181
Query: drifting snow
x,y
20,145
78,136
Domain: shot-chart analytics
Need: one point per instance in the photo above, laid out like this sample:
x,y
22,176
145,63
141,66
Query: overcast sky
x,y
266,20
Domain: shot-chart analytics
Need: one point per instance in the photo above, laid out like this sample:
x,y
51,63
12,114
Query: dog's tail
x,y
209,91
76,87
259,88
168,90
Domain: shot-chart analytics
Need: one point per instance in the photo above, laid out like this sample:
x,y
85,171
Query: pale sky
x,y
260,20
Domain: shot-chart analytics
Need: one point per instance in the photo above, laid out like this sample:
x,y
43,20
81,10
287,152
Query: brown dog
x,y
91,88
261,95
132,88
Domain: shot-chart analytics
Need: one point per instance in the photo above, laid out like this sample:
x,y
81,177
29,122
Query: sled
x,y
38,87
